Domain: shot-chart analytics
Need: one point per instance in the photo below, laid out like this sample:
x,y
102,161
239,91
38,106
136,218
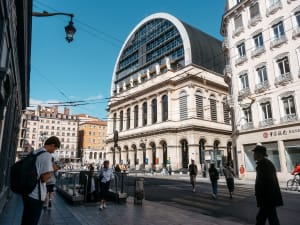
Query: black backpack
x,y
23,175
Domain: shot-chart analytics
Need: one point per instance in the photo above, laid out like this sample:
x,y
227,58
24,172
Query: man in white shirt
x,y
33,203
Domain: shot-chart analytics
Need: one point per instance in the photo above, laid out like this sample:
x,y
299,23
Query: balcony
x,y
255,20
266,122
277,42
244,92
296,32
247,125
225,45
258,51
238,31
289,118
283,79
241,60
261,87
274,8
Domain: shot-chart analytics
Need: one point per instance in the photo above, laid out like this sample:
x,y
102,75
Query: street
x,y
242,208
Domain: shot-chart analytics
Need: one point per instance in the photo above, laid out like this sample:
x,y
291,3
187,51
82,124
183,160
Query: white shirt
x,y
106,173
43,165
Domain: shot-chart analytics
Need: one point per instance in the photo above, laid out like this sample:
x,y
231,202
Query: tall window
x,y
241,50
144,113
136,116
128,119
226,112
199,105
121,120
247,115
262,74
278,30
213,108
283,66
266,110
254,11
297,15
244,81
238,22
183,105
164,107
154,111
258,41
289,105
115,121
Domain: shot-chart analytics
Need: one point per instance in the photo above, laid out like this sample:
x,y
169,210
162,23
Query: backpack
x,y
23,175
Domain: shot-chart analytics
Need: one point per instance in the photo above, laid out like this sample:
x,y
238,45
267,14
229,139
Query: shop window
x,y
292,153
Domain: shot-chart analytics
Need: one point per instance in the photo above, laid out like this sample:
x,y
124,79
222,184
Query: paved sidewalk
x,y
150,213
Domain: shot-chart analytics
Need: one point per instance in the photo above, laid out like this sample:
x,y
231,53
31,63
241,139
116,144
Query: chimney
x,y
66,111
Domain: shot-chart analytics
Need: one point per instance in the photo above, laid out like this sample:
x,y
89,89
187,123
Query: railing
x,y
238,30
262,86
247,125
278,41
240,60
283,79
274,8
258,51
266,122
244,92
289,118
296,32
255,20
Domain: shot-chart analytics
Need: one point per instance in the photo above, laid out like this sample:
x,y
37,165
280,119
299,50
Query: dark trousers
x,y
32,211
214,185
265,213
104,190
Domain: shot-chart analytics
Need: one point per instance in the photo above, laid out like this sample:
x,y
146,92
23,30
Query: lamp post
x,y
69,29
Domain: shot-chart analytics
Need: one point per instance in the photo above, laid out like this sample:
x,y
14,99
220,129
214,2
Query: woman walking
x,y
229,175
105,175
214,177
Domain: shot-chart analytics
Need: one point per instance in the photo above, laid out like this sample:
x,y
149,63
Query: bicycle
x,y
293,184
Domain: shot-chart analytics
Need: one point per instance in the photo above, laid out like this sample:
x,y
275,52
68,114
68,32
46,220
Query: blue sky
x,y
82,70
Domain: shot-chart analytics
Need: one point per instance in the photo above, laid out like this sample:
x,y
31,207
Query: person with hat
x,y
267,190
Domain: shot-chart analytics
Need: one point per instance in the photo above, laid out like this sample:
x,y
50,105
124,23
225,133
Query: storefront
x,y
283,149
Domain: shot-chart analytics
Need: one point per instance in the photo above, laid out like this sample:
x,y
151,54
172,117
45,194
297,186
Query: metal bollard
x,y
139,190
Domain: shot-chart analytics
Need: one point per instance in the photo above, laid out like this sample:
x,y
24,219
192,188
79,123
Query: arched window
x,y
153,148
121,120
100,155
213,108
115,121
199,105
165,152
95,155
136,116
164,107
202,150
154,110
229,150
144,113
226,112
128,119
183,109
91,155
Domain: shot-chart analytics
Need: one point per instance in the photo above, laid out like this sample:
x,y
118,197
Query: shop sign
x,y
281,132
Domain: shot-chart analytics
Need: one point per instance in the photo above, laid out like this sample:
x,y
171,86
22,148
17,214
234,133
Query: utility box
x,y
139,193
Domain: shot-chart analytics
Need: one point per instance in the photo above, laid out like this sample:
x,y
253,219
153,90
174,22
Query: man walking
x,y
33,203
267,190
193,170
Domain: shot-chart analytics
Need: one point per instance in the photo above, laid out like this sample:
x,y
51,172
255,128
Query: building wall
x,y
14,81
277,86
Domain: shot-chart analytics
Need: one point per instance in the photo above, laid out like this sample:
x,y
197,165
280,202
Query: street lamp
x,y
69,29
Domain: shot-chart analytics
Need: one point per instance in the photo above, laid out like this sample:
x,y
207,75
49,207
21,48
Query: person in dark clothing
x,y
193,170
214,177
267,190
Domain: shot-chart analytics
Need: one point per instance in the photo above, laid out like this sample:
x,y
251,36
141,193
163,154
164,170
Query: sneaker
x,y
194,190
49,204
104,206
101,207
214,196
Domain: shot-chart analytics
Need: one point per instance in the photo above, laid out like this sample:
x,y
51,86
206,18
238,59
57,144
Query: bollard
x,y
139,190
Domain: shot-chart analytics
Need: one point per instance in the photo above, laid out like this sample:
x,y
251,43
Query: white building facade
x,y
168,98
43,123
262,50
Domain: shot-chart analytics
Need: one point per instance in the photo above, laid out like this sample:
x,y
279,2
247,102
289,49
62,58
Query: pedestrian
x,y
50,187
33,203
105,175
214,177
193,171
229,175
267,190
296,170
92,185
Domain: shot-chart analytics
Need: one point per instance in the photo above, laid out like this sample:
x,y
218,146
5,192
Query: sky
x,y
82,70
